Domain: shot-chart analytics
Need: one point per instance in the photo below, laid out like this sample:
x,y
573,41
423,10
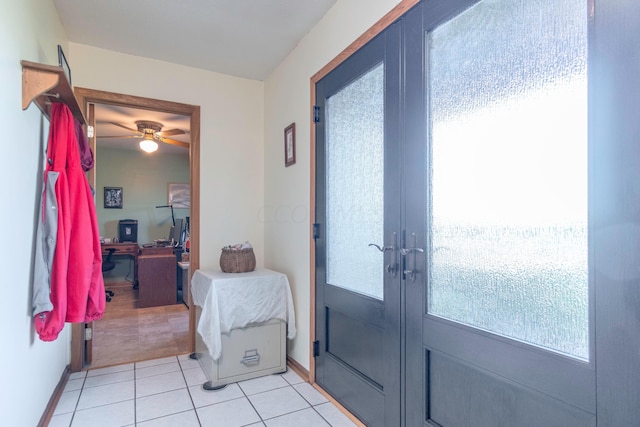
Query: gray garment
x,y
46,235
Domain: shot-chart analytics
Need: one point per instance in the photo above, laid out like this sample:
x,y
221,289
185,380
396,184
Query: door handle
x,y
383,248
407,251
391,269
411,272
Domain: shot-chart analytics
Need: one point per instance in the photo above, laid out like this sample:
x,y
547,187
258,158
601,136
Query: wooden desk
x,y
186,280
157,276
127,248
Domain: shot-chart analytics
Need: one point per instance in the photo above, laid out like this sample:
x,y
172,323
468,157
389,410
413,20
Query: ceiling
x,y
245,38
108,117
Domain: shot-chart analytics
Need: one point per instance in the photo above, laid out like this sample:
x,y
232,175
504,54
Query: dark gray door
x,y
499,320
509,181
357,216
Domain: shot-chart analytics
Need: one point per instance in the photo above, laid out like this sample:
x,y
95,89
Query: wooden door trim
x,y
373,31
86,96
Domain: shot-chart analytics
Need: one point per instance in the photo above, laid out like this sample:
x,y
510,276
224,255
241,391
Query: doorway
x,y
87,98
453,265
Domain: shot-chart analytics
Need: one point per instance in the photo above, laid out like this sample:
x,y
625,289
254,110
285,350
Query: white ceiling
x,y
107,115
245,38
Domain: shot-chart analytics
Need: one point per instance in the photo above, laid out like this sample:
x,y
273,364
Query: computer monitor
x,y
128,230
175,234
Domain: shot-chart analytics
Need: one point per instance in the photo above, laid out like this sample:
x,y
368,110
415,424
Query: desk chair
x,y
108,265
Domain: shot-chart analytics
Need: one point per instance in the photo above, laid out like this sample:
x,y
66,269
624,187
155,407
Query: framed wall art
x,y
290,145
179,195
62,62
113,197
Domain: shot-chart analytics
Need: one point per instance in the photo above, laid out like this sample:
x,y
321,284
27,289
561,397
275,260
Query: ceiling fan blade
x,y
171,132
174,142
123,126
120,136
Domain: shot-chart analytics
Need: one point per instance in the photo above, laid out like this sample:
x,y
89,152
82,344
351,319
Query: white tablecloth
x,y
237,300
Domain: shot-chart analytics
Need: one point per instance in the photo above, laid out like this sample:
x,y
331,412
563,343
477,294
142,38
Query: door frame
x,y
86,96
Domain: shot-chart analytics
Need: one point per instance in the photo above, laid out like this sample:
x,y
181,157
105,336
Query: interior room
x,y
257,83
146,183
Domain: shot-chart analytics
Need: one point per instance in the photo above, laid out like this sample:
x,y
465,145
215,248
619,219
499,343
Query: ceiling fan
x,y
149,132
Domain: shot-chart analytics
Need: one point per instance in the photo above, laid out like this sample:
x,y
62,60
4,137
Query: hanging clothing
x,y
86,154
76,284
46,235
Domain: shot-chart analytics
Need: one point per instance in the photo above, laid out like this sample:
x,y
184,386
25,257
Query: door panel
x,y
366,356
357,210
502,214
354,150
489,400
508,221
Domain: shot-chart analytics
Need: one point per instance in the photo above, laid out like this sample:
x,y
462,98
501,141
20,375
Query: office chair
x,y
108,265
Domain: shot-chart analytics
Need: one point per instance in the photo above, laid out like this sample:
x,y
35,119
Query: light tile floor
x,y
168,392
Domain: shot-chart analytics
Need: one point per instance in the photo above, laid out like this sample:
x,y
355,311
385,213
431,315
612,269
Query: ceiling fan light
x,y
148,146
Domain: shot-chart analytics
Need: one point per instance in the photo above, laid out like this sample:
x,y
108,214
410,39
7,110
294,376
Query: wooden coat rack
x,y
44,84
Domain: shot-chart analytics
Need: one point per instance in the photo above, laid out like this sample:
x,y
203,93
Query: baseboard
x,y
55,397
298,368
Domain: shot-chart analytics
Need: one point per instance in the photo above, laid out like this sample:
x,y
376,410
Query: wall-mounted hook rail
x,y
40,82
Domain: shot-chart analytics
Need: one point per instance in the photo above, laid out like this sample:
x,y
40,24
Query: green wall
x,y
144,180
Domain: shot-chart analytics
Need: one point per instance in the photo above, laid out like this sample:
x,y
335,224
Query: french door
x,y
454,264
358,298
497,169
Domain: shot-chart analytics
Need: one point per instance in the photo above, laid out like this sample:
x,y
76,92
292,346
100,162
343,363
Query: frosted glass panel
x,y
508,225
354,161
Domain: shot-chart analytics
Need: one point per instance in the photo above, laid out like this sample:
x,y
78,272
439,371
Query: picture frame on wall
x,y
290,145
179,195
62,62
113,197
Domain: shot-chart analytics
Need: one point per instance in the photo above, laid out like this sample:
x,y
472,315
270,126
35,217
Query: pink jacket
x,y
77,287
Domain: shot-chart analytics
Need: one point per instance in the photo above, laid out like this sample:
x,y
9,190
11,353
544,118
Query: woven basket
x,y
237,260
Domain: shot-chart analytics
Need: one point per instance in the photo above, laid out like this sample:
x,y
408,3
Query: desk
x,y
186,280
157,284
130,249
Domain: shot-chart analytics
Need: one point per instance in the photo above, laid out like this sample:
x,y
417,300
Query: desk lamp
x,y
173,219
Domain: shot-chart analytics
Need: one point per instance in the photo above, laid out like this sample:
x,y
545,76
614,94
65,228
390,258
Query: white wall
x,y
247,194
287,190
30,369
231,136
144,179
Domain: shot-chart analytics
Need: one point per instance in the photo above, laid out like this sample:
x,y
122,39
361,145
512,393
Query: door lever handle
x,y
411,272
383,248
407,251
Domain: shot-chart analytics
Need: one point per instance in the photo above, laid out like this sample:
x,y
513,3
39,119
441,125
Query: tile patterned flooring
x,y
168,392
